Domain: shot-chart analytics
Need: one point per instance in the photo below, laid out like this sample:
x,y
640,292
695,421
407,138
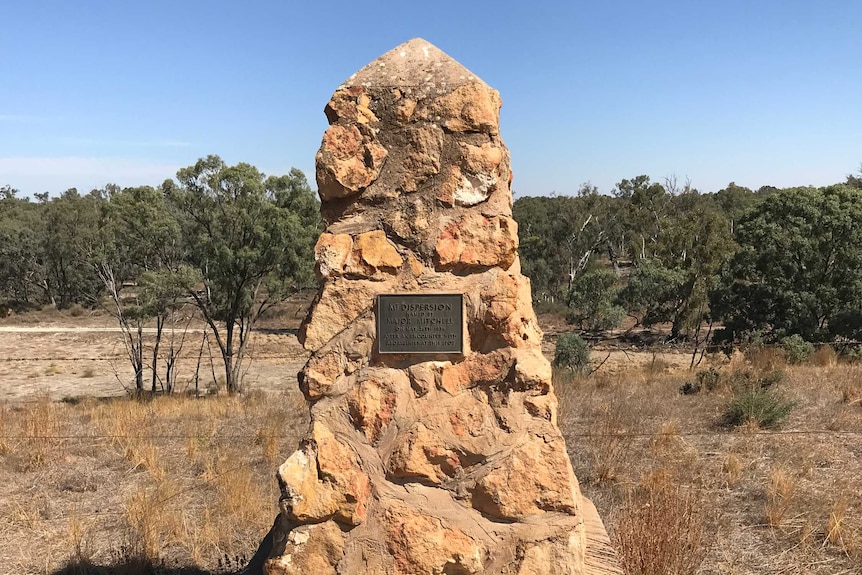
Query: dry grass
x,y
191,480
779,496
732,468
765,359
775,496
662,528
173,480
851,385
825,356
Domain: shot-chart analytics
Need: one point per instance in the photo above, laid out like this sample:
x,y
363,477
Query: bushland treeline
x,y
228,239
763,265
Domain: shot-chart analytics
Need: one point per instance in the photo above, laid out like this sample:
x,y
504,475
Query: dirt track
x,y
63,360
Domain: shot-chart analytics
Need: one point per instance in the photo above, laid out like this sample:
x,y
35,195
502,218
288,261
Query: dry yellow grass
x,y
825,356
172,479
190,480
733,469
779,495
773,492
662,528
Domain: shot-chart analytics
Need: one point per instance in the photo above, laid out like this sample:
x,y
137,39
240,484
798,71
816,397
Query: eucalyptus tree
x,y
249,239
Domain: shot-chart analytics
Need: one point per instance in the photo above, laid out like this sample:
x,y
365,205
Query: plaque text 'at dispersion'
x,y
420,323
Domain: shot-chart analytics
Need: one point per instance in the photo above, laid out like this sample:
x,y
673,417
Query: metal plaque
x,y
420,323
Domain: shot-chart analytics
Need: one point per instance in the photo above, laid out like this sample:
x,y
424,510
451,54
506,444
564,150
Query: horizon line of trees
x,y
763,264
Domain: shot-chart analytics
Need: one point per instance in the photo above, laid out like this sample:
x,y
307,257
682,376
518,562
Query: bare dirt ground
x,y
186,485
67,357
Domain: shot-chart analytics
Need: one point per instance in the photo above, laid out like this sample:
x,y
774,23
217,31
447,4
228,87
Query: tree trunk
x,y
227,353
160,323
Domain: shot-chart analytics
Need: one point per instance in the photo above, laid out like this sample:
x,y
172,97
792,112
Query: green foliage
x,y
591,301
250,239
572,352
67,238
799,267
757,400
847,324
654,293
796,349
560,236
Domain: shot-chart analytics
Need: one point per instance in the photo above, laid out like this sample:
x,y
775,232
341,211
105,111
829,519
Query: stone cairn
x,y
432,463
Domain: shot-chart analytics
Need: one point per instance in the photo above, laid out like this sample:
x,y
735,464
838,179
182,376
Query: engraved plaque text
x,y
420,323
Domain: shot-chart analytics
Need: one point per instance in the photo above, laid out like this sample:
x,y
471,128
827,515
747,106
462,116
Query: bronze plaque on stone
x,y
420,323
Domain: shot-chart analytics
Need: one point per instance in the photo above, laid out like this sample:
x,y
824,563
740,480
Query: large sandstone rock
x,y
423,464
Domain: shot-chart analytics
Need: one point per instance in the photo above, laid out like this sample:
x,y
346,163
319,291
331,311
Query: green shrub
x,y
850,353
705,380
572,352
757,400
75,310
796,349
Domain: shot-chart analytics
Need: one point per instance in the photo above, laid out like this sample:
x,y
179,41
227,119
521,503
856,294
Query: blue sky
x,y
760,92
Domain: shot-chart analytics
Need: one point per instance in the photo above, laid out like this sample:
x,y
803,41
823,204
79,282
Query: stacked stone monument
x,y
433,446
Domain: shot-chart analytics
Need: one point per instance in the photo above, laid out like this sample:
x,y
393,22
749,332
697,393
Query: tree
x,y
855,181
138,261
21,270
560,236
591,300
672,279
799,267
69,226
250,239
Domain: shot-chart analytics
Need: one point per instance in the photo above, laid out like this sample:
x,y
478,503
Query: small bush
x,y
572,352
681,543
75,310
779,493
706,380
757,401
796,349
851,353
825,356
765,358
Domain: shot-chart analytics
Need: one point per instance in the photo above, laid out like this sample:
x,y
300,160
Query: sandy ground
x,y
66,360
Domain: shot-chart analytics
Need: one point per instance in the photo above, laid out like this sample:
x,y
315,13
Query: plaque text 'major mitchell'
x,y
420,323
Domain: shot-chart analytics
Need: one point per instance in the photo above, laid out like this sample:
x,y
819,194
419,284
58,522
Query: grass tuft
x,y
779,493
662,529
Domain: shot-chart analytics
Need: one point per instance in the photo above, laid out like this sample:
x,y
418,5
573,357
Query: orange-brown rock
x,y
476,241
423,456
323,480
424,544
477,369
341,302
350,105
331,253
471,107
535,477
373,253
316,548
371,405
425,144
423,463
347,162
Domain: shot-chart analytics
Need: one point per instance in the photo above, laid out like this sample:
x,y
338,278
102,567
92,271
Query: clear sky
x,y
760,92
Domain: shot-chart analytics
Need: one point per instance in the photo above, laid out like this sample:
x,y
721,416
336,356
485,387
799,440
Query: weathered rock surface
x,y
423,464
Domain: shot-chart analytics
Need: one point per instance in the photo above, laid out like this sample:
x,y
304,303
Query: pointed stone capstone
x,y
423,463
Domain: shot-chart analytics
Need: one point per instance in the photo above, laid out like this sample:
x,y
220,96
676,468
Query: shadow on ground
x,y
137,567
